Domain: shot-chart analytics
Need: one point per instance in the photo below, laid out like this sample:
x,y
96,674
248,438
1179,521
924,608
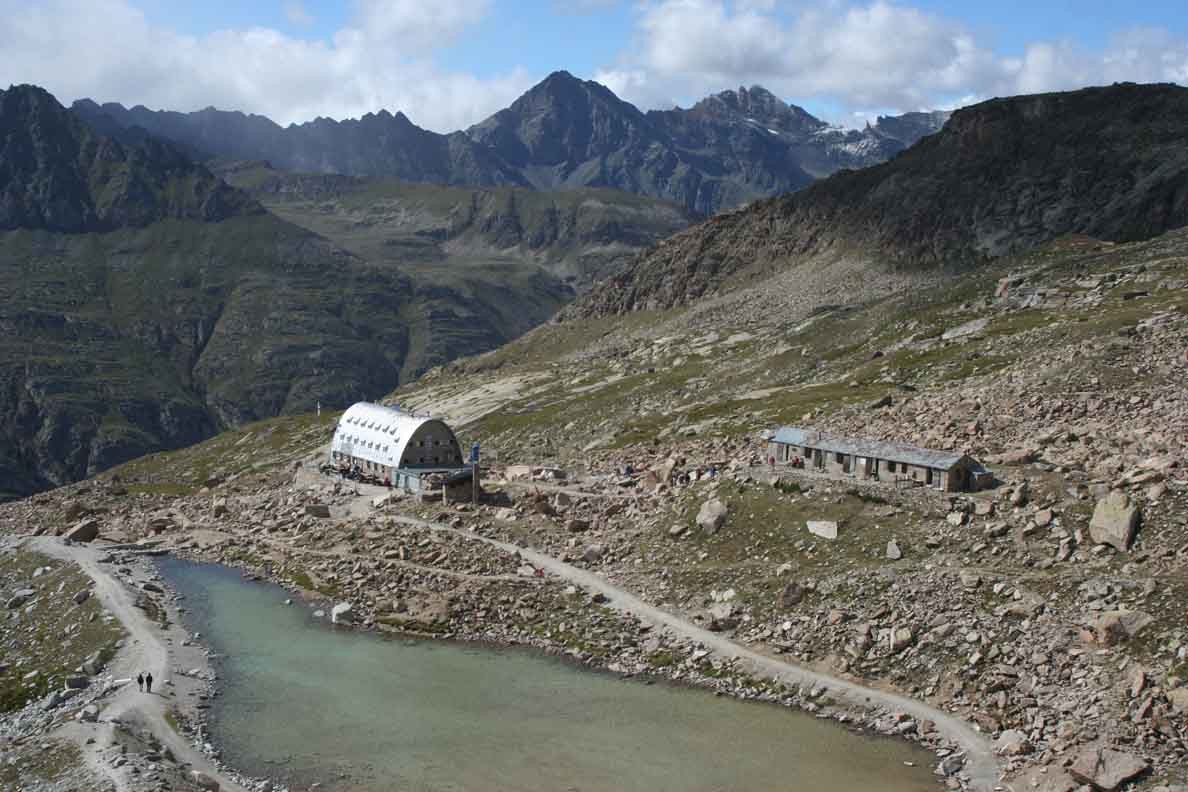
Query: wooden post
x,y
474,475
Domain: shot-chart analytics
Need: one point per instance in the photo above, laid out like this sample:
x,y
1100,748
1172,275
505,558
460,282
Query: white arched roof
x,y
378,434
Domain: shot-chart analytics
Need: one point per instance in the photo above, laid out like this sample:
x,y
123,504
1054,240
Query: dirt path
x,y
981,766
146,649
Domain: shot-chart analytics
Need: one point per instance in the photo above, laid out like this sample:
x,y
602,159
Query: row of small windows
x,y
389,429
366,444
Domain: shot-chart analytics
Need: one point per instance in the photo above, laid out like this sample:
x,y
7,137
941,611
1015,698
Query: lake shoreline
x,y
247,577
872,723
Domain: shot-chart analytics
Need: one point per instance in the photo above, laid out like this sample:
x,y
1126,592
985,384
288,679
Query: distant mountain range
x,y
729,149
1002,177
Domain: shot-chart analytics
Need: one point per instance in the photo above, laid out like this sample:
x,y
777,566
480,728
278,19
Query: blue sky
x,y
449,63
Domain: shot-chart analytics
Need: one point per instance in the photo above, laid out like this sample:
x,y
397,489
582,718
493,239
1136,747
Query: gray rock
x,y
826,529
342,614
1115,627
82,596
950,765
317,510
19,598
1115,521
1012,742
77,682
593,553
900,639
792,595
89,714
86,530
1106,769
722,617
712,516
203,781
893,551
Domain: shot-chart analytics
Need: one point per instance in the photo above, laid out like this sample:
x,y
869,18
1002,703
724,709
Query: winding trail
x,y
144,649
981,765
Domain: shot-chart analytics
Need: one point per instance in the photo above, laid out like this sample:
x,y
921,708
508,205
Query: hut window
x,y
890,467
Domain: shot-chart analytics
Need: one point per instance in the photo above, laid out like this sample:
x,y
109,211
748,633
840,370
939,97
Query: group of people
x,y
794,462
144,681
355,473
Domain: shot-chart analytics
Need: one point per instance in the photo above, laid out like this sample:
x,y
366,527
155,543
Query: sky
x,y
448,64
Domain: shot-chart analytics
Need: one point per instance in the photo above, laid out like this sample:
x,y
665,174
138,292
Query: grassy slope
x,y
643,378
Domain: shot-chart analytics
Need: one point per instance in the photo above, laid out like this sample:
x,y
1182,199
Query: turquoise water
x,y
303,702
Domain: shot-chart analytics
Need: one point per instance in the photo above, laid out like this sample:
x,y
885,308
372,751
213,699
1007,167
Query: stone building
x,y
876,460
388,442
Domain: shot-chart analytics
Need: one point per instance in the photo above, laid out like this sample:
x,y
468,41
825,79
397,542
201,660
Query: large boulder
x,y
1115,521
203,781
1106,769
792,595
826,529
900,638
19,598
723,616
342,613
712,515
317,510
1012,742
1115,627
86,530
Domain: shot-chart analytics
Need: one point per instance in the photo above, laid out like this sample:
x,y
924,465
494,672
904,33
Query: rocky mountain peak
x,y
59,174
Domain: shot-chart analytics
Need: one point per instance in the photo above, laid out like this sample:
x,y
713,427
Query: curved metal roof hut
x,y
391,439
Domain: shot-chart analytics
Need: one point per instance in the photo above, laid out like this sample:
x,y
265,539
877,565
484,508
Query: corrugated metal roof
x,y
380,434
878,449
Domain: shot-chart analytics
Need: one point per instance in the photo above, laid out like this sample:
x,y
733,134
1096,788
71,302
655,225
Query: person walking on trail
x,y
148,682
140,682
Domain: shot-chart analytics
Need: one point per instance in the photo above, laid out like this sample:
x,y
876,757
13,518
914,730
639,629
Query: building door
x,y
928,477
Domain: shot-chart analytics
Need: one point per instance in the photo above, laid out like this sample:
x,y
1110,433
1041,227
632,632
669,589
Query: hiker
x,y
148,682
140,682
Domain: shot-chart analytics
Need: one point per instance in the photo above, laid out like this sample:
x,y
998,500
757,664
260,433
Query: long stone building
x,y
876,460
388,442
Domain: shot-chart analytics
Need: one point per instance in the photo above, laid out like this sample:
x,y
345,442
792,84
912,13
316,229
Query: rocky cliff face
x,y
562,134
57,174
1001,177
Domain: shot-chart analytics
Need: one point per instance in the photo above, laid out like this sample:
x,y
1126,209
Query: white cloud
x,y
382,59
297,15
859,56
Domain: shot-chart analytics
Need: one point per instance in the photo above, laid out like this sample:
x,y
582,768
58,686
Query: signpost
x,y
474,472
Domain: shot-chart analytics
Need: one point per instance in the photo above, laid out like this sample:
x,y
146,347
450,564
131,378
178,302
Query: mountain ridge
x,y
707,161
1002,177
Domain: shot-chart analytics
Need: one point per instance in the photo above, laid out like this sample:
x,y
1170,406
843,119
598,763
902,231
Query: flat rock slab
x,y
1106,769
826,529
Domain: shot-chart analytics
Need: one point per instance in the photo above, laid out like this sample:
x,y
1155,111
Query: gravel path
x,y
981,766
144,649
